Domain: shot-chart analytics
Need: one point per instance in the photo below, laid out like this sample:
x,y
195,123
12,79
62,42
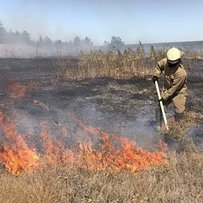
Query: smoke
x,y
28,51
89,113
66,122
67,110
20,44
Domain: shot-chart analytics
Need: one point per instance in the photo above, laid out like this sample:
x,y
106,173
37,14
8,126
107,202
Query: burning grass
x,y
15,154
99,168
98,150
102,171
179,181
17,91
112,152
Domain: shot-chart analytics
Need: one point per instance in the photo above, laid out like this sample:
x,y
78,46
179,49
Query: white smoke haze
x,y
21,44
29,51
18,49
64,119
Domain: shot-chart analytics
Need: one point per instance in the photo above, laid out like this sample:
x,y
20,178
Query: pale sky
x,y
132,20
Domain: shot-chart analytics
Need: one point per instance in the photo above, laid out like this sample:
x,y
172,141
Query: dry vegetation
x,y
119,65
115,64
180,181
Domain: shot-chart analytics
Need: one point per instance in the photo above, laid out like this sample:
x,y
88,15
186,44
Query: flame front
x,y
111,152
115,153
15,155
99,151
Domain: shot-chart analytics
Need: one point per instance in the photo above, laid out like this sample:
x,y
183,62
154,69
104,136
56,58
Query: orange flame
x,y
17,91
113,152
15,155
99,151
116,153
53,151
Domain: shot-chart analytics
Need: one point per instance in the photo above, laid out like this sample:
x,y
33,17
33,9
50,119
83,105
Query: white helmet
x,y
173,55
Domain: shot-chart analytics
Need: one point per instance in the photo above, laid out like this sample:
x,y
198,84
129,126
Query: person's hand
x,y
162,100
154,79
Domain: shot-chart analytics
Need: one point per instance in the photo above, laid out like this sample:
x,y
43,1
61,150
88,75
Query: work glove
x,y
154,78
162,100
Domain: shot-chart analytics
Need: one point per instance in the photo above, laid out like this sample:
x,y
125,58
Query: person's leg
x,y
179,104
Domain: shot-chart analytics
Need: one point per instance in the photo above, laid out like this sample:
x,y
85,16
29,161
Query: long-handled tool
x,y
161,105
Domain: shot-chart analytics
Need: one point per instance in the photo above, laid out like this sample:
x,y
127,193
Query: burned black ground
x,y
122,106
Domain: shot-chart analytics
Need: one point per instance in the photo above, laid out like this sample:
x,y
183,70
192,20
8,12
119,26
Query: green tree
x,y
76,41
26,37
116,43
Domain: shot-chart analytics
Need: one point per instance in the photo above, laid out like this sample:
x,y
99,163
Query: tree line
x,y
16,37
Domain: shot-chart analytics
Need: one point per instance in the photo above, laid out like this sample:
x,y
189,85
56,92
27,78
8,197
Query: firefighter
x,y
175,81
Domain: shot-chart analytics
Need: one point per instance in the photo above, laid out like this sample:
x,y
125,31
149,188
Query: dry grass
x,y
179,181
193,54
118,65
178,130
115,64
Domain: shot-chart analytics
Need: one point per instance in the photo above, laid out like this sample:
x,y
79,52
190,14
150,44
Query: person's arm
x,y
158,70
178,83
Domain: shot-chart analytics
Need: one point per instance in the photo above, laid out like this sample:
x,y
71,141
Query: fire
x,y
15,155
54,151
17,91
98,150
109,151
115,153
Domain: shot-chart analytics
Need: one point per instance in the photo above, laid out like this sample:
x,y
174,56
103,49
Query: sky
x,y
148,21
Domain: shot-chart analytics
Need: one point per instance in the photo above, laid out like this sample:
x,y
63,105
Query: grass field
x,y
42,90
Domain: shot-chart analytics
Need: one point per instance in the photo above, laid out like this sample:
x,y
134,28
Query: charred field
x,y
50,118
